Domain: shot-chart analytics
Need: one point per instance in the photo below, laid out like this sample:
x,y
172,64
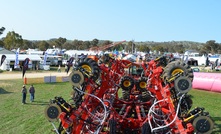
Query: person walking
x,y
32,93
24,93
59,68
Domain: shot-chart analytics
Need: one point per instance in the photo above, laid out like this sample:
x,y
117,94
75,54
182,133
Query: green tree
x,y
158,48
131,46
13,40
80,46
86,44
211,46
94,42
2,30
1,43
43,45
60,42
77,44
179,48
143,48
68,46
27,44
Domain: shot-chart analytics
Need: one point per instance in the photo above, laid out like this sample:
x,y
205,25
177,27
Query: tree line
x,y
14,40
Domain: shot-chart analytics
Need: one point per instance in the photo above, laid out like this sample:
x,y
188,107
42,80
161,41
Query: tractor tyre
x,y
182,84
203,125
127,83
141,84
91,67
176,67
52,112
76,78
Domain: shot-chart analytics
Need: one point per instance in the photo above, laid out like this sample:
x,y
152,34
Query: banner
x,y
25,66
70,63
2,59
45,58
16,59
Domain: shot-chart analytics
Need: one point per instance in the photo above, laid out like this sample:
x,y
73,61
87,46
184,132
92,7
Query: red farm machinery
x,y
121,97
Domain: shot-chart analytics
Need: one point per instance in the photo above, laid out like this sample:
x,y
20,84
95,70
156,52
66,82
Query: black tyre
x,y
52,112
127,83
141,84
177,68
203,125
76,78
91,67
182,84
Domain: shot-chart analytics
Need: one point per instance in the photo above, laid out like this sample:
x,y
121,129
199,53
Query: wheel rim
x,y
87,68
52,112
142,84
203,124
126,83
183,84
176,71
76,78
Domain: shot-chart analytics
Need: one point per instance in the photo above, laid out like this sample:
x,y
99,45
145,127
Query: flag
x,y
70,63
25,66
16,59
2,59
45,58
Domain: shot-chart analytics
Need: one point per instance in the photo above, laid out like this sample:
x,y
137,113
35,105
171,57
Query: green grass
x,y
30,118
211,101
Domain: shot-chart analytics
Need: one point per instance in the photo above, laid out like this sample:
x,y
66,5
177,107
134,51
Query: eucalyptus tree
x,y
94,42
77,44
43,45
86,44
59,42
211,47
13,40
143,48
68,46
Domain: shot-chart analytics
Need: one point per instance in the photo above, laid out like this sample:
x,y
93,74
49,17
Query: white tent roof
x,y
79,52
22,57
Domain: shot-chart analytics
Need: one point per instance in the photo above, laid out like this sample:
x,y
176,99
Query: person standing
x,y
24,92
59,68
32,93
66,68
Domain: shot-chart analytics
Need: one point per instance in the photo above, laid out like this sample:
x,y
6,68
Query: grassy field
x,y
30,118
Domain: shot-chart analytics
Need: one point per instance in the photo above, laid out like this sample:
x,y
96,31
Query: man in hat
x,y
24,92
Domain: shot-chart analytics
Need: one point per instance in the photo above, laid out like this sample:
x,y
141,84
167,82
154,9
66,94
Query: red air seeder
x,y
119,97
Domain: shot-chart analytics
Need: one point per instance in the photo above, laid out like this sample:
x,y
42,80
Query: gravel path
x,y
7,76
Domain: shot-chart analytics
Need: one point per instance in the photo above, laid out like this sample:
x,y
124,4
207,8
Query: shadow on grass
x,y
3,91
38,103
191,96
217,125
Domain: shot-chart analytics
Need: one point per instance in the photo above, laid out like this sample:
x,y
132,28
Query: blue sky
x,y
115,20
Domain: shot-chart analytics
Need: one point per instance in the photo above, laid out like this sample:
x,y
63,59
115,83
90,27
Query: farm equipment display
x,y
120,97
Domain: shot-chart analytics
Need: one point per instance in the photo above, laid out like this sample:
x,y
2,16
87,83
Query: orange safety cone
x,y
25,80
